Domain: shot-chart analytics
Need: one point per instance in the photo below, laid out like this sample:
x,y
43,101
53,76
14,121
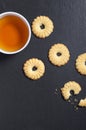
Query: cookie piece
x,y
59,54
70,86
34,68
42,26
81,64
82,103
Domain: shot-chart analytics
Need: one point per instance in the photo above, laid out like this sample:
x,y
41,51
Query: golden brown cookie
x,y
82,103
81,64
34,68
70,86
42,26
59,54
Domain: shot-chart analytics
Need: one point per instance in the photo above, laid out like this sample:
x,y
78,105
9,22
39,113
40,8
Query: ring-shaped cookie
x,y
68,87
59,54
34,68
42,26
81,64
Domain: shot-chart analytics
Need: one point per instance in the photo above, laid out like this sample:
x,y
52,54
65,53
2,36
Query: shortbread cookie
x,y
59,54
82,103
42,26
70,86
34,68
81,64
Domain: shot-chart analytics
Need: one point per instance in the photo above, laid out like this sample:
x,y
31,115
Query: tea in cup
x,y
15,32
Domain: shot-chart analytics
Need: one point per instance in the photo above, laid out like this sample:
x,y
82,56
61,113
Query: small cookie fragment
x,y
75,100
81,64
76,108
42,26
59,54
34,68
70,86
82,103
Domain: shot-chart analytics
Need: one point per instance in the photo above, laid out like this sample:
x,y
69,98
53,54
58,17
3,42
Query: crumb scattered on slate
x,y
76,100
69,100
72,103
56,90
76,108
56,93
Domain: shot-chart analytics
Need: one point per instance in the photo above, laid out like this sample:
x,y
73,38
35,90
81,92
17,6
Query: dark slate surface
x,y
33,105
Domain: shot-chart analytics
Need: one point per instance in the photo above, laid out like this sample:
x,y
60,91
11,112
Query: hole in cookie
x,y
42,26
72,92
34,68
58,54
85,62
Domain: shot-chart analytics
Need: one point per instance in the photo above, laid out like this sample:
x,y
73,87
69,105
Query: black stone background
x,y
33,105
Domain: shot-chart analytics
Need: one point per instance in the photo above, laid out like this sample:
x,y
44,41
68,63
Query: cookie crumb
x,y
56,93
69,100
76,108
56,90
76,100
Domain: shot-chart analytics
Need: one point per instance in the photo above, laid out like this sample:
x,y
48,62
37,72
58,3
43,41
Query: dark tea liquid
x,y
13,33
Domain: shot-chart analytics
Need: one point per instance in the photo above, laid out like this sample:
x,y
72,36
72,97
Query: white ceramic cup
x,y
23,19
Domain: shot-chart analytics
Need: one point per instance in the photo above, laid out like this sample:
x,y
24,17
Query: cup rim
x,y
29,28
